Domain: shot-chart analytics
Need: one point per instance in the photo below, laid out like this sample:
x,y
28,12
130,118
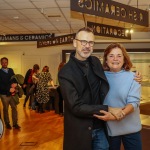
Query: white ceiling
x,y
47,16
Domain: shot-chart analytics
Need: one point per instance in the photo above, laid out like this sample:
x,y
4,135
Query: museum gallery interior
x,y
42,32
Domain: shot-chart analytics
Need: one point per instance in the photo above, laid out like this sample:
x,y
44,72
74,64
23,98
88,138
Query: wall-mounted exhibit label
x,y
59,40
24,37
109,31
112,10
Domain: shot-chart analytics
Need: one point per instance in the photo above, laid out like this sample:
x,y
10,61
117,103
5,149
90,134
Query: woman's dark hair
x,y
45,69
127,62
61,65
36,67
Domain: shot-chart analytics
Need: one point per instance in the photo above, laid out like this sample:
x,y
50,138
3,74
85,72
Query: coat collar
x,y
94,62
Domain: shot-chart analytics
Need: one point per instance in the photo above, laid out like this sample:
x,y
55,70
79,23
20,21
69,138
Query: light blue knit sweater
x,y
123,90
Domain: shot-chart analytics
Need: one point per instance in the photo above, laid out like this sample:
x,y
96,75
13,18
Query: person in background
x,y
32,90
7,90
59,92
84,87
28,83
124,94
42,90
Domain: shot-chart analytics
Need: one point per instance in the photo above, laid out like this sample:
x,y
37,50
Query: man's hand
x,y
107,116
138,77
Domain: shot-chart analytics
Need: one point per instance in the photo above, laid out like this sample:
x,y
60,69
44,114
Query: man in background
x,y
6,90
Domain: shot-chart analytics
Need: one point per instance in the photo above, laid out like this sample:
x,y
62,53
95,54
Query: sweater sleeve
x,y
134,94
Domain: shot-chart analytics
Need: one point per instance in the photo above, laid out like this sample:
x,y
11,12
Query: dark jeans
x,y
130,142
6,101
99,140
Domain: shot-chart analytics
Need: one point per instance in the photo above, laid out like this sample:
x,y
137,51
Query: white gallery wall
x,y
23,56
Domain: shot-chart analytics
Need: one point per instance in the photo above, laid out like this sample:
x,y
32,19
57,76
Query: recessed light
x,y
16,17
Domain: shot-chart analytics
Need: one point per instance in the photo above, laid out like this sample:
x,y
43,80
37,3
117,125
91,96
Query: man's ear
x,y
74,43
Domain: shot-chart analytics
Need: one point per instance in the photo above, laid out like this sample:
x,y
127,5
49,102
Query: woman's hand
x,y
138,77
117,112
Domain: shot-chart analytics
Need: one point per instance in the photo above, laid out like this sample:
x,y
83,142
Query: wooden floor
x,y
45,131
38,131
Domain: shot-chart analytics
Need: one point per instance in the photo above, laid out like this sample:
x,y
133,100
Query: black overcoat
x,y
79,110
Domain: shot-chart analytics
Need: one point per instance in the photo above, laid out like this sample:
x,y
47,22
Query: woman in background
x,y
42,90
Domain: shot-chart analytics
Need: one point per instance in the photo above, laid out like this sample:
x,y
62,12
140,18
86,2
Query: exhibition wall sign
x,y
112,10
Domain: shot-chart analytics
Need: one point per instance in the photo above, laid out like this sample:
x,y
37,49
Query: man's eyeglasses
x,y
84,42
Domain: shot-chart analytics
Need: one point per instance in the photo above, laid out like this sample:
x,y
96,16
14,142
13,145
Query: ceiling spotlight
x,y
16,17
127,31
131,30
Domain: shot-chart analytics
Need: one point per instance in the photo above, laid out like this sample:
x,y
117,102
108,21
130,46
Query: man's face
x,y
84,45
4,63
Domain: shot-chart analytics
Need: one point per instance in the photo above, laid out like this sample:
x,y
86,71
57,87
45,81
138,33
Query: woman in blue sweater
x,y
123,99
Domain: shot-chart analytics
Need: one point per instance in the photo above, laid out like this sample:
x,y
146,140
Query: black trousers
x,y
60,101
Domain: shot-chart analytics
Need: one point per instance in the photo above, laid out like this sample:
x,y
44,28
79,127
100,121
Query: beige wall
x,y
22,56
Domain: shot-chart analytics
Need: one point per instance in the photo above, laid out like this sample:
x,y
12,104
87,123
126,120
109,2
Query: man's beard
x,y
86,51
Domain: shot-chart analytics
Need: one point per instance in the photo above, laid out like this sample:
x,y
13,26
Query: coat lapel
x,y
97,69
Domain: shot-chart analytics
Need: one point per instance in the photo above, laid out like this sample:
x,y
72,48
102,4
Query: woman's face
x,y
115,59
45,69
36,71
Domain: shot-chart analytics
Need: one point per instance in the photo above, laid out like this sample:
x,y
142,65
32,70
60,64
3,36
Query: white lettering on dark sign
x,y
25,37
59,40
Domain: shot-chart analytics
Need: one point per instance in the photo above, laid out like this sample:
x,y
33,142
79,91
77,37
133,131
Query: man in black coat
x,y
84,86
